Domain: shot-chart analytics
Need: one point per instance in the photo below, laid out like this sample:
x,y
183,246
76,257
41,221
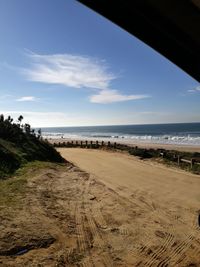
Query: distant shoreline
x,y
141,144
186,135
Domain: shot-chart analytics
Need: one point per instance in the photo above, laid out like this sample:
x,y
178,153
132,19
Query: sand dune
x,y
151,210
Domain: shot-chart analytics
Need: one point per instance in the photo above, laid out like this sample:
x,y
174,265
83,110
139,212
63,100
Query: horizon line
x,y
103,125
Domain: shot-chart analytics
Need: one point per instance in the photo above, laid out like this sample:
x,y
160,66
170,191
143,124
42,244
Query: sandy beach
x,y
180,147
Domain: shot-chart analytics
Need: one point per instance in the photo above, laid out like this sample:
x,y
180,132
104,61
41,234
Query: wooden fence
x,y
178,158
86,144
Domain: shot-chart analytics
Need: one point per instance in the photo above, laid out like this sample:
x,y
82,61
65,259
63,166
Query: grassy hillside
x,y
19,144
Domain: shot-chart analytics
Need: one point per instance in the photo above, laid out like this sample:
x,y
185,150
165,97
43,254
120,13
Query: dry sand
x,y
147,212
116,211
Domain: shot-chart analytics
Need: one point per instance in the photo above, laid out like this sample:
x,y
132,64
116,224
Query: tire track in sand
x,y
98,241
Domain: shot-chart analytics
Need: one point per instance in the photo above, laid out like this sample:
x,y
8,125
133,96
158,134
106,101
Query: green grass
x,y
33,166
12,192
13,156
14,189
19,144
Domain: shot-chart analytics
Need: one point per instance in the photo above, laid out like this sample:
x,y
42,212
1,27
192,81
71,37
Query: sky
x,y
62,64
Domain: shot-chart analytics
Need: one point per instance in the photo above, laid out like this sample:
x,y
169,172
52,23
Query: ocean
x,y
176,133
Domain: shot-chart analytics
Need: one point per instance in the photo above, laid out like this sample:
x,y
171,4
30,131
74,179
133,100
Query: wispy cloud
x,y
27,98
194,90
69,70
76,71
111,96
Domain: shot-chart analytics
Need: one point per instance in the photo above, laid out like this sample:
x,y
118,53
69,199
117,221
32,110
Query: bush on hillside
x,y
20,144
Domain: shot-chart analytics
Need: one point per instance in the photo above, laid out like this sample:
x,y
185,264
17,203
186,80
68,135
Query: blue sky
x,y
62,64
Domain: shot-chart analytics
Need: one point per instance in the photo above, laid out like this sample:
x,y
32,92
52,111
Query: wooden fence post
x,y
178,160
108,143
81,143
102,143
192,163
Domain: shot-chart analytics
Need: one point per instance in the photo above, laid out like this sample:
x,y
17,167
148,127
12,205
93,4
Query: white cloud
x,y
76,72
26,98
194,90
110,96
69,70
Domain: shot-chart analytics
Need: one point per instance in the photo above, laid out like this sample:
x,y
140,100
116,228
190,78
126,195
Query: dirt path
x,y
121,170
117,211
148,212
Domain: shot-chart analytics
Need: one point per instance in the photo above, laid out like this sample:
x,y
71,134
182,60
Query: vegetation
x,y
20,144
170,157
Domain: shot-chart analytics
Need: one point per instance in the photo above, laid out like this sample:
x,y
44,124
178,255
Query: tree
x,y
27,128
33,132
20,119
9,118
1,118
39,133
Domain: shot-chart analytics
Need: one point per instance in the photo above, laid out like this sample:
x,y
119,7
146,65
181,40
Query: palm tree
x,y
9,118
20,120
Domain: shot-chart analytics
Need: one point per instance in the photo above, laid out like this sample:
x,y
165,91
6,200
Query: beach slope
x,y
147,211
110,210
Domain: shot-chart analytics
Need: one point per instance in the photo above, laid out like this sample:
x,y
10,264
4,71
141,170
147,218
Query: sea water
x,y
176,133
